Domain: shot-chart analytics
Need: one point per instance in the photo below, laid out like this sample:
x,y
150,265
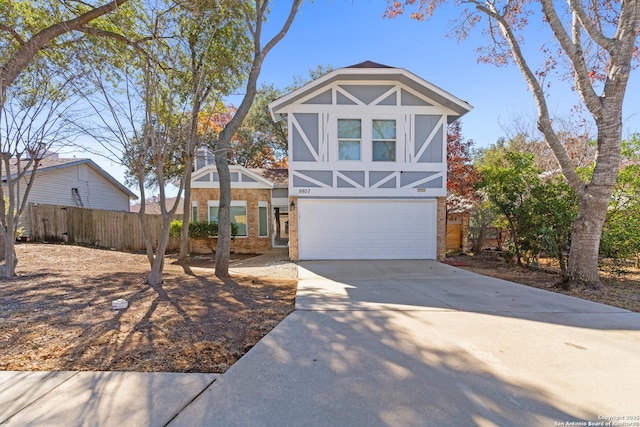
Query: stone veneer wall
x,y
441,229
253,243
294,253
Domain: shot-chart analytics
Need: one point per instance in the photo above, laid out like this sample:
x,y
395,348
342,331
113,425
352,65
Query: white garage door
x,y
367,229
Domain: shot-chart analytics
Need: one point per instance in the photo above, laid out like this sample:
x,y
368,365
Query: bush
x,y
199,229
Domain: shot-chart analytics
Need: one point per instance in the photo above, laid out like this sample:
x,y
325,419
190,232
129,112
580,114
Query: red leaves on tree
x,y
462,176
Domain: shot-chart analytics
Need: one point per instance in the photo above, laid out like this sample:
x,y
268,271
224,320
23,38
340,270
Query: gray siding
x,y
54,188
425,124
367,94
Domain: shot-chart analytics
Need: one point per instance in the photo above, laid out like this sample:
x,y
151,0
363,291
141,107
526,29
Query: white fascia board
x,y
278,110
204,170
275,106
260,181
259,178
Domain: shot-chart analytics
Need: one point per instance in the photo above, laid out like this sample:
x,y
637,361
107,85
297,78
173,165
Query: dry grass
x,y
620,290
56,315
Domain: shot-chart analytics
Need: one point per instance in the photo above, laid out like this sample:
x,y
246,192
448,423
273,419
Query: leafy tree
x,y
482,220
462,175
180,58
28,27
621,235
214,39
255,14
507,178
552,208
261,141
597,42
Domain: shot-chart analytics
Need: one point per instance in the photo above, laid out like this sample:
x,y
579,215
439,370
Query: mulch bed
x,y
620,290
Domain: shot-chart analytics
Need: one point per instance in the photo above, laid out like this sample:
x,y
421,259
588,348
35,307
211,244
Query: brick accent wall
x,y
441,229
294,253
253,243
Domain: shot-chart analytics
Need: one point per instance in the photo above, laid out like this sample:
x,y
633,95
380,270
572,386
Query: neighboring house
x,y
71,182
259,206
152,207
367,164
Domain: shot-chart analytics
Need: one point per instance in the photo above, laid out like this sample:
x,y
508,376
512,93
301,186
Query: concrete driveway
x,y
420,343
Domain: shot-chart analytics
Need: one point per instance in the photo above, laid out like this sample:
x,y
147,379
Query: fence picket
x,y
95,227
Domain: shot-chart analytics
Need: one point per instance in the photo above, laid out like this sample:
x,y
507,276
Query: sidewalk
x,y
96,398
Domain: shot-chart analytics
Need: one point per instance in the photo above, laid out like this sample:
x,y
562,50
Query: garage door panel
x,y
367,229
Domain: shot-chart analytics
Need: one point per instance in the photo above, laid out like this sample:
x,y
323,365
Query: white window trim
x,y
194,204
263,204
241,203
366,140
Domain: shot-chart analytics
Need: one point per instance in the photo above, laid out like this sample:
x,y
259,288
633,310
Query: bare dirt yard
x,y
57,315
620,289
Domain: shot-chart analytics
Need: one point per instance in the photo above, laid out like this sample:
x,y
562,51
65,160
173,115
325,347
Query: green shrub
x,y
199,229
175,228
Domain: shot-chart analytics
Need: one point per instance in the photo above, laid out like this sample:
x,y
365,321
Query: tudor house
x,y
367,164
367,171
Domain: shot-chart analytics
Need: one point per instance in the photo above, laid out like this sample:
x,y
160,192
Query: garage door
x,y
367,229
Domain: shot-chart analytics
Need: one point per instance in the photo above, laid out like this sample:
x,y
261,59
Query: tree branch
x,y
589,27
27,51
576,56
544,119
13,33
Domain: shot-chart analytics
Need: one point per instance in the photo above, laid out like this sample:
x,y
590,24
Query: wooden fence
x,y
95,227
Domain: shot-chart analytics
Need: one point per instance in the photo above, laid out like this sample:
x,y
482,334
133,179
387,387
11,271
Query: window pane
x,y
384,151
349,128
262,221
239,216
194,213
348,150
384,129
213,214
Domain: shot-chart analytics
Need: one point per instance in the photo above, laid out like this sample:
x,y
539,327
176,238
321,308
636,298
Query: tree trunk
x,y
8,268
585,238
224,219
593,202
224,141
155,275
186,217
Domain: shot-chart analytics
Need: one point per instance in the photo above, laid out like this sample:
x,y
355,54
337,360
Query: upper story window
x,y
349,139
383,140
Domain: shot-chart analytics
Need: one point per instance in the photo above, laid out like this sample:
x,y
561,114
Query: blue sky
x,y
346,32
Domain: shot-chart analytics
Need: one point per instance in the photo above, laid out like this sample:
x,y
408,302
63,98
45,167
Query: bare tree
x,y
35,117
255,15
597,40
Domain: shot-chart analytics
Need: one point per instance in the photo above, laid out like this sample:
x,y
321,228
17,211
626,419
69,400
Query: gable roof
x,y
279,177
52,163
153,207
205,177
373,71
369,64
